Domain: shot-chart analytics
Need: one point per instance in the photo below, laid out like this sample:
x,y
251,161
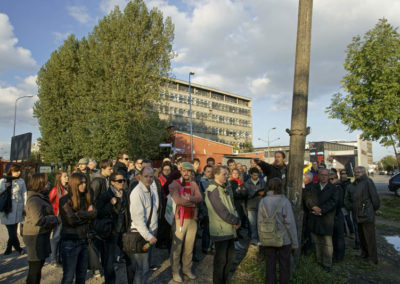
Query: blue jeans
x,y
141,263
252,215
55,239
75,260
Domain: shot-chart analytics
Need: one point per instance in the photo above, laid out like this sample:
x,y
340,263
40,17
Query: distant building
x,y
335,154
217,115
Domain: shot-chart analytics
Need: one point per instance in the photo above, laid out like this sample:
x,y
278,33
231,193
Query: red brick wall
x,y
202,148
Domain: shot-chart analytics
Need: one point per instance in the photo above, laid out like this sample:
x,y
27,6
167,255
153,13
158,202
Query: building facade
x,y
217,115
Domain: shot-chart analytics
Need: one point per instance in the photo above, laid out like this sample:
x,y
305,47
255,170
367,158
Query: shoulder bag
x,y
132,241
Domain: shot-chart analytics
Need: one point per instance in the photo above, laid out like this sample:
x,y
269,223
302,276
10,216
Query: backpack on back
x,y
269,234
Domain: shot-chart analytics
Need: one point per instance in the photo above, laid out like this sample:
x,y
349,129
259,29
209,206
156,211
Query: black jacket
x,y
75,224
98,186
272,171
327,200
119,212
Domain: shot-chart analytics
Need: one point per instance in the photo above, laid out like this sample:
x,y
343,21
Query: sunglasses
x,y
126,159
120,180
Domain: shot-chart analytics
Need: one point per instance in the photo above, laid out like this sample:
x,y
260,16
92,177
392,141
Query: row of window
x,y
205,93
204,103
201,128
204,116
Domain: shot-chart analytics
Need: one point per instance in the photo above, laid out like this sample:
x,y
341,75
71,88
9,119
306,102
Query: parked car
x,y
394,184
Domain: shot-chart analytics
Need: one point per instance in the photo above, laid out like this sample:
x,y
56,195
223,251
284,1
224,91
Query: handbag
x,y
132,241
5,200
365,212
170,209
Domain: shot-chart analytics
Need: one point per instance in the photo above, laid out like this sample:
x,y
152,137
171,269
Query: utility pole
x,y
299,130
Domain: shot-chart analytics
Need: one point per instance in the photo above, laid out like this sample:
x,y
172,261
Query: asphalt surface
x,y
381,183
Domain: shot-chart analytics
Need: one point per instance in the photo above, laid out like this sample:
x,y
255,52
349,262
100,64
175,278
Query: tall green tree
x,y
388,163
372,85
97,95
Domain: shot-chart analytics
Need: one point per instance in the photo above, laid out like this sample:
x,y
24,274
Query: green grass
x,y
390,207
252,270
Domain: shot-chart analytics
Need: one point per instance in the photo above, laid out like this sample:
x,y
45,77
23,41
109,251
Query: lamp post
x,y
190,114
269,144
273,128
15,110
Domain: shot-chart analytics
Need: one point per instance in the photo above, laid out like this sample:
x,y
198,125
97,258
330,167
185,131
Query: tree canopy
x,y
388,163
97,94
372,85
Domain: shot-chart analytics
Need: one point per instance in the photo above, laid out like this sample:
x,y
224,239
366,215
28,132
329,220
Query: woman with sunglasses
x,y
113,204
76,213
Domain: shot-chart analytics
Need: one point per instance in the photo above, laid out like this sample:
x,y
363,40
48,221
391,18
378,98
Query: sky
x,y
246,47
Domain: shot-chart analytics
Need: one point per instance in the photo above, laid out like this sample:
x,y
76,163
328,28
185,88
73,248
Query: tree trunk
x,y
298,129
395,152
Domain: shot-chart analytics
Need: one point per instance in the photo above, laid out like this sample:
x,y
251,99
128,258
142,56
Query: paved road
x,y
382,182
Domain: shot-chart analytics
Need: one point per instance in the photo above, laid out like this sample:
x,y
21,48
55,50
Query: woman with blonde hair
x,y
76,213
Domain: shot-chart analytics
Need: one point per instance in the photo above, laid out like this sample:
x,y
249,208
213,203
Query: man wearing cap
x,y
186,195
83,168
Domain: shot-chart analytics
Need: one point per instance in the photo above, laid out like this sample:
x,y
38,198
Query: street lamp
x,y
273,128
190,114
15,110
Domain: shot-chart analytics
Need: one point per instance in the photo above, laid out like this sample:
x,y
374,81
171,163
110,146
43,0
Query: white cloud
x,y
8,96
79,13
60,37
259,86
108,5
12,56
5,149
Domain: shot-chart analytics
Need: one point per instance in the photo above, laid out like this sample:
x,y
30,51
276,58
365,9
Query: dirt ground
x,y
13,268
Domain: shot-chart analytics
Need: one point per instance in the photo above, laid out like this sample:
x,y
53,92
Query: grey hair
x,y
362,169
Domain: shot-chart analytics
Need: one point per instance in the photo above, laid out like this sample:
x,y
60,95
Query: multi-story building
x,y
217,115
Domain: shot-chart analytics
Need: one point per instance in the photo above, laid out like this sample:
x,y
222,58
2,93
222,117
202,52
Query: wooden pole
x,y
298,129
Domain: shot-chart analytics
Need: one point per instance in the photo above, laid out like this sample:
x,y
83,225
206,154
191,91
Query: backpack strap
x,y
279,207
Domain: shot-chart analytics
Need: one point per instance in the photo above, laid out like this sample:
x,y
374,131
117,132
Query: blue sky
x,y
244,46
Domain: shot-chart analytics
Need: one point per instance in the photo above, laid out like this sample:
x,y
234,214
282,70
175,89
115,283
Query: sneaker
x,y
96,273
190,275
177,278
154,267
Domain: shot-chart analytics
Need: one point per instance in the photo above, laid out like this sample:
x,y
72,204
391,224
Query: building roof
x,y
211,89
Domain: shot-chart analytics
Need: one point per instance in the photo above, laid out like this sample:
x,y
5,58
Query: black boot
x,y
8,249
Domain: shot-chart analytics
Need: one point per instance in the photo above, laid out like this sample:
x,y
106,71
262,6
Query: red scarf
x,y
187,211
239,182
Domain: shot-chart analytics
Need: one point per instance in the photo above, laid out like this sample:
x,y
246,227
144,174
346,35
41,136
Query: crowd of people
x,y
109,220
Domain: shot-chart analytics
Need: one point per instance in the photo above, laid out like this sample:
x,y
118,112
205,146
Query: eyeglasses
x,y
120,180
126,159
332,179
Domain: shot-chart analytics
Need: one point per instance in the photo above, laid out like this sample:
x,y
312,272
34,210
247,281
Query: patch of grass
x,y
390,207
252,270
308,271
